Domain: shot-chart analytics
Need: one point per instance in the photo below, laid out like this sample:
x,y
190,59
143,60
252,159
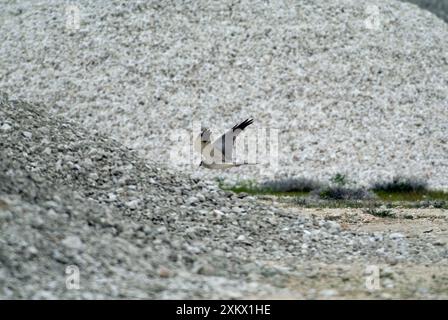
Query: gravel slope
x,y
347,98
438,7
136,229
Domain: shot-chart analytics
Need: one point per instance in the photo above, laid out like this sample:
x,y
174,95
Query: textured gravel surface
x,y
438,7
137,229
357,87
86,178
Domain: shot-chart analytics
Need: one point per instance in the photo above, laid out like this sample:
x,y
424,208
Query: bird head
x,y
205,134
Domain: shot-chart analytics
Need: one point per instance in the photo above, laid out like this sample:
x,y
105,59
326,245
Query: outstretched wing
x,y
224,144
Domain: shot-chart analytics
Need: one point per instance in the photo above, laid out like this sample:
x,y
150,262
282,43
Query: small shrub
x,y
339,179
248,186
290,185
400,184
380,212
439,204
343,193
301,201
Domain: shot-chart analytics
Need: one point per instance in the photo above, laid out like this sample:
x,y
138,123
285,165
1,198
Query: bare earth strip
x,y
314,279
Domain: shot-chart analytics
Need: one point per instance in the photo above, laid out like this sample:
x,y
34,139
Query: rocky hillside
x,y
355,87
136,229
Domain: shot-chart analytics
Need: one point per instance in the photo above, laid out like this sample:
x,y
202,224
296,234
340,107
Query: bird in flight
x,y
218,155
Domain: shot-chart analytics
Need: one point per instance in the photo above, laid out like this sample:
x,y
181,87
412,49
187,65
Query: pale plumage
x,y
219,154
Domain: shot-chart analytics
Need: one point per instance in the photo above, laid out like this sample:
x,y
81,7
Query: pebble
x,y
192,200
5,127
328,293
241,238
396,235
332,227
72,242
27,134
164,272
5,216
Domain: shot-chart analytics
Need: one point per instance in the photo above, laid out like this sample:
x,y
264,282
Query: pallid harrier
x,y
218,155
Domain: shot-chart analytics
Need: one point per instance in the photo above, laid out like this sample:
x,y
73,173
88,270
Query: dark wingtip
x,y
243,124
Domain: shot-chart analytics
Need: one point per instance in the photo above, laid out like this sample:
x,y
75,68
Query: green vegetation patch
x,y
380,212
339,192
343,193
412,196
401,185
282,187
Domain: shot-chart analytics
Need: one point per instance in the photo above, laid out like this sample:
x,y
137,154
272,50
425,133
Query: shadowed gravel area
x,y
438,7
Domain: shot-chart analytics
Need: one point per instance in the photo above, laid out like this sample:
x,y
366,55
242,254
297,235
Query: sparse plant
x,y
339,179
401,185
247,186
439,204
380,212
290,185
343,193
301,201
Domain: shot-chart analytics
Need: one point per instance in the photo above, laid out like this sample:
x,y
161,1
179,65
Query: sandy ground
x,y
357,281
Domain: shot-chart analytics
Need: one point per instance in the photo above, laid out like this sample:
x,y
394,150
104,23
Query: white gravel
x,y
75,208
366,97
350,94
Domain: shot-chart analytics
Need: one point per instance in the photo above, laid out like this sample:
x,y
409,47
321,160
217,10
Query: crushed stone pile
x,y
354,87
133,228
